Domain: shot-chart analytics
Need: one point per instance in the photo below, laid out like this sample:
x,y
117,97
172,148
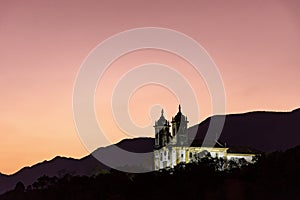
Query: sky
x,y
255,45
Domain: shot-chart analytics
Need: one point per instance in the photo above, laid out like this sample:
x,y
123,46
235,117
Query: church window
x,y
191,155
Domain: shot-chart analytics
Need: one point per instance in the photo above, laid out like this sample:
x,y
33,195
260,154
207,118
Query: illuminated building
x,y
172,148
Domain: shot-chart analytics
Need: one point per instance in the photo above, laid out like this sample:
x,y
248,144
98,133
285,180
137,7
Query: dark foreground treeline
x,y
274,176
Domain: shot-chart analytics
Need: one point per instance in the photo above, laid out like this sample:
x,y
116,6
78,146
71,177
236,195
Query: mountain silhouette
x,y
60,166
263,131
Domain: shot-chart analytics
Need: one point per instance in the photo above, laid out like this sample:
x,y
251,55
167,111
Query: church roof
x,y
199,143
242,150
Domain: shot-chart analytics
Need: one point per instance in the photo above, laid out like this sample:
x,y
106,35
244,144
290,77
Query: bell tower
x,y
162,132
179,128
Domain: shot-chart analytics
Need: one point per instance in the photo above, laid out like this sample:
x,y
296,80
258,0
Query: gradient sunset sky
x,y
255,44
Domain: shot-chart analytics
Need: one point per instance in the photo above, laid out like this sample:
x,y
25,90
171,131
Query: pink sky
x,y
255,45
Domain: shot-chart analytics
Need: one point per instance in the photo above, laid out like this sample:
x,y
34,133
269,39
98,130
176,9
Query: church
x,y
173,147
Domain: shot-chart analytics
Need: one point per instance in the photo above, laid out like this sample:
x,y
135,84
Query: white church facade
x,y
172,148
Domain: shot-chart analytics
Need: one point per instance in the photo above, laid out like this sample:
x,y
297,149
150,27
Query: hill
x,y
59,166
264,131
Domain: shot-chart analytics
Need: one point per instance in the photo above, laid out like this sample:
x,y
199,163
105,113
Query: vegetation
x,y
273,176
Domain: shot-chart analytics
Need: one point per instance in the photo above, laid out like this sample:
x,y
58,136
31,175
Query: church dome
x,y
179,115
162,120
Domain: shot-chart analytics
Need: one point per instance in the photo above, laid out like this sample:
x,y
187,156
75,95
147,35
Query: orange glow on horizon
x,y
43,43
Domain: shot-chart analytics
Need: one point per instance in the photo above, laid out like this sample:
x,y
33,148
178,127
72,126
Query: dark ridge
x,y
137,145
248,132
264,131
3,175
59,166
